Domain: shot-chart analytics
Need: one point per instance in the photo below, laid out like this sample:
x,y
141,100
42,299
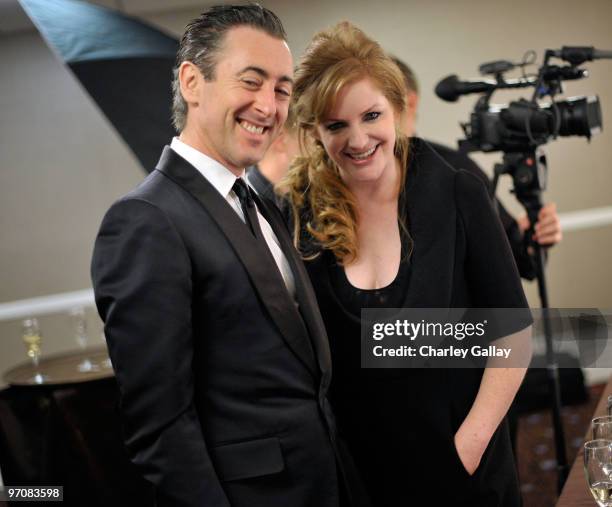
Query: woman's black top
x,y
399,424
354,299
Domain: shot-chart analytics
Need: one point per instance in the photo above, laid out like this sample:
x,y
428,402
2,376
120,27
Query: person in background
x,y
548,228
384,222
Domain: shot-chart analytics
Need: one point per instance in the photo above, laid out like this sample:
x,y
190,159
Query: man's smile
x,y
252,128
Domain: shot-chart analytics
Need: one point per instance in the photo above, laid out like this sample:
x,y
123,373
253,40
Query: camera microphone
x,y
450,88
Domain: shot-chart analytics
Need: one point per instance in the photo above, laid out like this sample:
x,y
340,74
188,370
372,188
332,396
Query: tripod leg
x,y
552,371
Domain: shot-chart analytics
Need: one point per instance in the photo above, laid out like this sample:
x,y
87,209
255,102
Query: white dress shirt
x,y
223,180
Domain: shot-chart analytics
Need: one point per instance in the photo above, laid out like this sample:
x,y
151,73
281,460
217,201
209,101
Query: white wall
x,y
62,164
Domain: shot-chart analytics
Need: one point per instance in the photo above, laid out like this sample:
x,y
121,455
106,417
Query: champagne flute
x,y
602,428
79,324
598,470
32,338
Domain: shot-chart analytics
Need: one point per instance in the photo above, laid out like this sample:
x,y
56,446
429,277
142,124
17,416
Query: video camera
x,y
524,124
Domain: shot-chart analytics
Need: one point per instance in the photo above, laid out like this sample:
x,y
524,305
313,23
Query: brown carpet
x,y
536,449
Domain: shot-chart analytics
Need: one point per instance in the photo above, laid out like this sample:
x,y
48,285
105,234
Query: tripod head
x,y
529,173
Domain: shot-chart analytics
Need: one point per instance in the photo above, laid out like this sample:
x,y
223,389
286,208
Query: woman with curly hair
x,y
383,222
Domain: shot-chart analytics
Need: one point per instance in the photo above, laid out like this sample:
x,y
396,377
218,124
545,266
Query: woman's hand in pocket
x,y
470,446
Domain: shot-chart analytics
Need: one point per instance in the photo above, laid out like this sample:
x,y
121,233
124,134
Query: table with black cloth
x,y
67,432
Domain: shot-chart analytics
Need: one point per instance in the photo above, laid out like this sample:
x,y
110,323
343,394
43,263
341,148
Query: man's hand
x,y
547,228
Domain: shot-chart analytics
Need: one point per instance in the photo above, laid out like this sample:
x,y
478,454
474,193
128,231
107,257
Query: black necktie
x,y
241,189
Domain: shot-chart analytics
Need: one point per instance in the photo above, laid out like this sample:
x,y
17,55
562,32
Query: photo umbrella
x,y
124,64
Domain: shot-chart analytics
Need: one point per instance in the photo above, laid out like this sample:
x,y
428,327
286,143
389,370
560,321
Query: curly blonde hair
x,y
322,204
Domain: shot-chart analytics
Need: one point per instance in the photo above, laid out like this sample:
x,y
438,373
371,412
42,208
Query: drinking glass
x,y
602,428
32,338
79,325
598,470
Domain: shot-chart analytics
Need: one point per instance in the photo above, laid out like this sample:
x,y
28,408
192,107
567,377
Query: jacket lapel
x,y
305,294
258,263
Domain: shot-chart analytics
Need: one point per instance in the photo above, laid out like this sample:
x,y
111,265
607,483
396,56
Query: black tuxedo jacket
x,y
223,379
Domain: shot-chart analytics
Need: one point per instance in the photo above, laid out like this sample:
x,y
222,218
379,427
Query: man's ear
x,y
190,79
412,103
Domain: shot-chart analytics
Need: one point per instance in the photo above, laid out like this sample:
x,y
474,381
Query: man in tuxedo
x,y
218,346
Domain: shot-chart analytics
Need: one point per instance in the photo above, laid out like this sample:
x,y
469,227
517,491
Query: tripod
x,y
528,170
